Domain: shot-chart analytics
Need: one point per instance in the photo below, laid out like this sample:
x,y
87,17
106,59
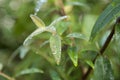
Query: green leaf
x,y
61,27
38,22
55,45
29,71
77,35
103,70
88,55
110,13
89,62
28,40
54,75
72,52
58,20
75,3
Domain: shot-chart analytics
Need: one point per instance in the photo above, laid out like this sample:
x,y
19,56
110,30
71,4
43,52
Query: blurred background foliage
x,y
16,25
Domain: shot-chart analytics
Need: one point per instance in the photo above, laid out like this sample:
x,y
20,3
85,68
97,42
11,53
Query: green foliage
x,y
77,35
103,70
110,13
52,37
72,52
55,45
28,71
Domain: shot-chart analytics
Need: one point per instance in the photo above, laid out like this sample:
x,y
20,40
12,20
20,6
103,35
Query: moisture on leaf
x,y
110,13
55,45
102,69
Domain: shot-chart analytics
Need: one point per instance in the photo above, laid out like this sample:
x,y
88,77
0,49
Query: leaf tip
x,y
38,22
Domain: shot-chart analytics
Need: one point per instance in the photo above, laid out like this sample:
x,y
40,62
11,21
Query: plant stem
x,y
6,76
102,50
62,11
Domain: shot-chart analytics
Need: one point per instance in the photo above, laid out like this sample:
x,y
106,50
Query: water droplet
x,y
39,4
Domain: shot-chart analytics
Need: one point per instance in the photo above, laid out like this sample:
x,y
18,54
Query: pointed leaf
x,y
55,45
29,71
72,52
103,70
79,4
58,20
28,40
110,13
77,35
23,51
38,22
90,63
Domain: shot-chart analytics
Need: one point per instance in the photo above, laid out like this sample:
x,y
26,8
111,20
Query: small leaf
x,y
28,40
55,45
38,22
110,13
61,27
77,35
23,51
29,71
89,62
72,52
58,20
102,69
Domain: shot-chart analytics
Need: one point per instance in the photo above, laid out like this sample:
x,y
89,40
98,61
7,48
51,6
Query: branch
x,y
6,76
102,50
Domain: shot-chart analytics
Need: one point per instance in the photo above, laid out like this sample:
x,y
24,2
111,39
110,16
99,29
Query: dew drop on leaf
x,y
55,45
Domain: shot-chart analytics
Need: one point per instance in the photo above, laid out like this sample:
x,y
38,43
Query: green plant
x,y
61,53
